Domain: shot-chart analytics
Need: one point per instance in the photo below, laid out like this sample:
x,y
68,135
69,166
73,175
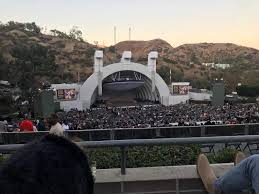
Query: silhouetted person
x,y
51,165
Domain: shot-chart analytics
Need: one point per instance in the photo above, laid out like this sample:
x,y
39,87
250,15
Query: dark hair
x,y
51,165
53,119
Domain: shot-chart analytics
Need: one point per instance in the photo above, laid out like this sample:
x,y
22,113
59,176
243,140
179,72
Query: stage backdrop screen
x,y
66,94
180,89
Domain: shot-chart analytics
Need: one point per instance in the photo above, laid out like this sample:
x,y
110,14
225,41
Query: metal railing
x,y
140,133
123,144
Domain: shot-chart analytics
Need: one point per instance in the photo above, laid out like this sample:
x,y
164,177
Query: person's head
x,y
53,119
50,165
26,117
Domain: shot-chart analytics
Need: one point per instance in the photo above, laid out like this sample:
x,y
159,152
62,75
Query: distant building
x,y
222,66
208,64
217,65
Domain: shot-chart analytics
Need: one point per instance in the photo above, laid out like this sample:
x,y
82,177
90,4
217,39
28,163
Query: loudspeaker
x,y
43,103
218,96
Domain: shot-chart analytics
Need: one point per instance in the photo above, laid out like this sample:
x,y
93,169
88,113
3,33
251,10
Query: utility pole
x,y
78,77
114,31
130,33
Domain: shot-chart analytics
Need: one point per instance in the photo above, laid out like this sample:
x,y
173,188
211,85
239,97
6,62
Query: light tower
x,y
130,33
114,34
98,69
152,56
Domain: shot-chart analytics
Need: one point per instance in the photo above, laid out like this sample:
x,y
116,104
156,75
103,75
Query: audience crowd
x,y
161,116
143,116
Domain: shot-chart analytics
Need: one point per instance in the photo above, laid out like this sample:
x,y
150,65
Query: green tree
x,y
249,91
2,67
32,27
201,83
76,33
30,61
164,72
60,34
27,27
194,59
112,49
177,75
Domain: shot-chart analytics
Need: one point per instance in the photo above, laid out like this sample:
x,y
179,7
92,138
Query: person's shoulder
x,y
59,125
57,129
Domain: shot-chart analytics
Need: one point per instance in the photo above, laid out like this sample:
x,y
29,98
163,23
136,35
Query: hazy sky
x,y
176,21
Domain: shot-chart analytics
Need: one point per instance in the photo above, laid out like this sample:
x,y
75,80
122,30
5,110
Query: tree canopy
x,y
75,33
30,61
27,27
249,91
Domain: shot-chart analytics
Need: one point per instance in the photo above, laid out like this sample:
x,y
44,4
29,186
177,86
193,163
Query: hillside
x,y
142,48
186,61
28,57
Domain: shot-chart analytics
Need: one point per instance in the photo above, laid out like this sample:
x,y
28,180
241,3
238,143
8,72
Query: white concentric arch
x,y
88,91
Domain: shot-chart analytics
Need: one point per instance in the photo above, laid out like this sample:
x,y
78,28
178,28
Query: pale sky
x,y
176,21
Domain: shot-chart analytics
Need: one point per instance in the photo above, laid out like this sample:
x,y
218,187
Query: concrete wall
x,y
68,105
177,99
200,96
167,179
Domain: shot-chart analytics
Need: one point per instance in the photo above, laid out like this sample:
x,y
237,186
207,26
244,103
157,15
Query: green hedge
x,y
226,155
1,158
152,156
145,156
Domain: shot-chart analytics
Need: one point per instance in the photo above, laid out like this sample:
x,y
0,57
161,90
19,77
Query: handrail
x,y
148,128
168,141
123,144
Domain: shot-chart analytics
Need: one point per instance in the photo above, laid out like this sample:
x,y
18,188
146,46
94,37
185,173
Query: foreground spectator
x,y
3,126
243,176
56,127
65,126
51,165
26,125
41,125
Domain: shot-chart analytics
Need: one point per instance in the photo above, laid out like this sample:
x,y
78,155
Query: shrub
x,y
226,155
3,158
112,49
169,61
145,156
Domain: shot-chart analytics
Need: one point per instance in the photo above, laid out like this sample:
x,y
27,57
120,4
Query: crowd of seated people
x,y
142,117
160,116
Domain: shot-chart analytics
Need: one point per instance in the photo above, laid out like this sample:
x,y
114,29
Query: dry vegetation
x,y
73,56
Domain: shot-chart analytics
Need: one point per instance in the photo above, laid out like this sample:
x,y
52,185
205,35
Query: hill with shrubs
x,y
29,57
